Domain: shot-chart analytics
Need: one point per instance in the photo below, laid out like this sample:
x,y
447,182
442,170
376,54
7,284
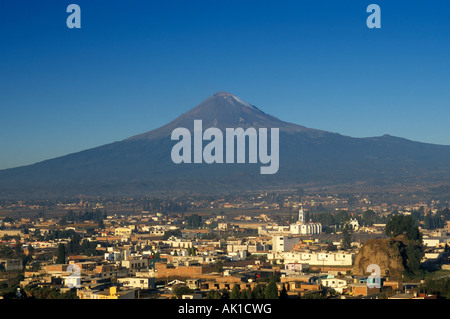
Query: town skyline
x,y
307,244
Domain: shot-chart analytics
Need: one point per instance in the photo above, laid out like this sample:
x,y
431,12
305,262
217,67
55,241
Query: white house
x,y
336,283
136,282
339,258
295,266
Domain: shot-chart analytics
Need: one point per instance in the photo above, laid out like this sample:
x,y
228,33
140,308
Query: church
x,y
302,228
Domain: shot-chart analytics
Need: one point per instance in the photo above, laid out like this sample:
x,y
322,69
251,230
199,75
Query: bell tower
x,y
301,216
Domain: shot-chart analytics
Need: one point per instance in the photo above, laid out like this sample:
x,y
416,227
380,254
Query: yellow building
x,y
111,293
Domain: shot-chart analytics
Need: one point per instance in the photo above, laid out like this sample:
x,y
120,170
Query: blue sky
x,y
136,65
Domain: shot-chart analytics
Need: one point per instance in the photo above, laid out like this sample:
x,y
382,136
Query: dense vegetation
x,y
411,250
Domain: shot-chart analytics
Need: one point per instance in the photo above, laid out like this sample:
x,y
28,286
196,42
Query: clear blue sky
x,y
136,65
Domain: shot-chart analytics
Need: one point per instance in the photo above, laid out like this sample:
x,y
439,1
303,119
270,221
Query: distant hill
x,y
142,164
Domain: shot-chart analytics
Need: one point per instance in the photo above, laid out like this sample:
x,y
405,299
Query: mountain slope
x,y
142,163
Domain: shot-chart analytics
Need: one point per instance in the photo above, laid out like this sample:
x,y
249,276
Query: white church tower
x,y
304,228
301,215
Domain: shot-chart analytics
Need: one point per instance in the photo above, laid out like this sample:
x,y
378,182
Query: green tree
x,y
248,293
243,294
403,225
271,291
368,218
411,249
414,254
347,231
176,233
74,246
258,292
283,293
6,252
218,266
439,286
213,294
342,217
235,292
61,254
194,220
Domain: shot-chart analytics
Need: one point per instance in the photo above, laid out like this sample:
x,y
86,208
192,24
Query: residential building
x,y
321,258
11,264
340,285
137,282
284,243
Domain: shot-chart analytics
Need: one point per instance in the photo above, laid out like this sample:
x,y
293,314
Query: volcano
x,y
142,164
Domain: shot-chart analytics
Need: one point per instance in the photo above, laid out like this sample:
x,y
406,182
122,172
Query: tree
x,y
414,255
63,221
248,293
347,231
342,217
235,292
258,292
411,249
213,294
170,233
403,225
283,293
61,254
218,266
6,252
271,291
433,221
194,220
440,286
369,218
244,294
74,246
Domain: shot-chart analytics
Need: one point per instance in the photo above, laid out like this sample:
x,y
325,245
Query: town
x,y
293,244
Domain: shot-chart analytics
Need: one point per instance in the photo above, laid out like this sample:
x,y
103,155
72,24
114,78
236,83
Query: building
x,y
135,263
123,231
284,243
304,228
354,223
362,289
164,270
431,242
296,267
339,258
222,226
111,293
11,264
179,242
11,232
57,269
338,284
192,296
137,282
